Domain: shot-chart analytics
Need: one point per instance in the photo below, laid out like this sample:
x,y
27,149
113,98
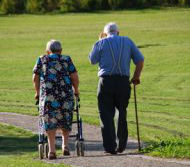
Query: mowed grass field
x,y
163,36
18,148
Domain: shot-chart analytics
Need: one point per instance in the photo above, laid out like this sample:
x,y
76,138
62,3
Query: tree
x,y
70,5
50,5
13,6
34,6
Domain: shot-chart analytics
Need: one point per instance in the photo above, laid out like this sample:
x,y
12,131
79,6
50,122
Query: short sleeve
x,y
137,56
38,66
71,67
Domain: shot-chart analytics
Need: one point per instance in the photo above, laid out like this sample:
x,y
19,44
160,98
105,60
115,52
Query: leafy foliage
x,y
35,6
12,6
69,5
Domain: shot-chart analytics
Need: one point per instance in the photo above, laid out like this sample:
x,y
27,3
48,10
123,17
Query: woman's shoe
x,y
66,151
52,155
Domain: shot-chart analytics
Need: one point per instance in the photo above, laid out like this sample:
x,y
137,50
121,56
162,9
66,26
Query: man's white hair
x,y
53,46
111,28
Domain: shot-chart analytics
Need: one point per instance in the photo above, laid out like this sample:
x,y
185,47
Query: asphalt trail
x,y
94,154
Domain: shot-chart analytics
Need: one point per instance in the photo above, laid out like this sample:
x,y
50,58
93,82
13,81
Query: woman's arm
x,y
36,82
75,82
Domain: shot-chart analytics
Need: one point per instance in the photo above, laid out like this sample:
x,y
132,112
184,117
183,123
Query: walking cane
x,y
137,122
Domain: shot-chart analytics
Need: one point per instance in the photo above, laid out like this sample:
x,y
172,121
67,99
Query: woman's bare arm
x,y
36,82
75,82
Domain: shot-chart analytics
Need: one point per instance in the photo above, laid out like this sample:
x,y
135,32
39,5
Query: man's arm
x,y
136,76
75,82
36,82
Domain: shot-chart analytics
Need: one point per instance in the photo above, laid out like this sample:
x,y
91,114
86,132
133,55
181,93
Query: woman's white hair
x,y
111,28
53,46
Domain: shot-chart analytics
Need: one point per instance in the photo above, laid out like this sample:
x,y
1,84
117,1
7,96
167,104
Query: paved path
x,y
94,155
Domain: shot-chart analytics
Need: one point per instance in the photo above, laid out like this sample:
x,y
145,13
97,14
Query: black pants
x,y
113,93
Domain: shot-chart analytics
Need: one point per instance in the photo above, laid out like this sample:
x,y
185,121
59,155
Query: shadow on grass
x,y
164,129
148,45
17,145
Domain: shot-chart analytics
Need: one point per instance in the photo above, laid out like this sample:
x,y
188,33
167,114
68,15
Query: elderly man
x,y
113,53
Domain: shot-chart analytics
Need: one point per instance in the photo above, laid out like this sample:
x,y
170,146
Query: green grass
x,y
172,147
163,36
19,148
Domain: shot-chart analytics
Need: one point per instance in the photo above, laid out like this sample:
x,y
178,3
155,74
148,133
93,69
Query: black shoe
x,y
66,151
120,150
52,156
113,152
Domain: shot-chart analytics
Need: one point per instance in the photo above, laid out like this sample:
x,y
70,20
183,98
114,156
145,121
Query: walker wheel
x,y
46,150
41,151
82,148
77,148
79,145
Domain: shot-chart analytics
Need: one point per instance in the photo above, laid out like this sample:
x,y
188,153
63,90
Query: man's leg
x,y
107,112
122,131
122,100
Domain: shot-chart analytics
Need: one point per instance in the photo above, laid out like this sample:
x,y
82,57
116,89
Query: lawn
x,y
163,36
18,148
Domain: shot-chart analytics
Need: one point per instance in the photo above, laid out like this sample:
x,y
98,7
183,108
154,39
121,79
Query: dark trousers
x,y
113,93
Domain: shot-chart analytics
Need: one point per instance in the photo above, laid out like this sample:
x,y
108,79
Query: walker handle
x,y
77,97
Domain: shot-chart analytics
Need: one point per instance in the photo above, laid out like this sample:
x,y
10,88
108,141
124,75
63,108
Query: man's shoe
x,y
113,152
120,150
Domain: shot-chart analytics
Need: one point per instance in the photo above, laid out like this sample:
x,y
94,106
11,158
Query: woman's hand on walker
x,y
36,96
76,93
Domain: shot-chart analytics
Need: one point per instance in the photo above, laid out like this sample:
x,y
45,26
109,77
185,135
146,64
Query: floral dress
x,y
56,101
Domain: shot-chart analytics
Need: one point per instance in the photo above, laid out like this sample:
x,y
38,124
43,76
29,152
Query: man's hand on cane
x,y
135,80
136,77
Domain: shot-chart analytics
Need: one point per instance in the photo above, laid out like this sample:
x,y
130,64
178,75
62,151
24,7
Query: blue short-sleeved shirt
x,y
114,55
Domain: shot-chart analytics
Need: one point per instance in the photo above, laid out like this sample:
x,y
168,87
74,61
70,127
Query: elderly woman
x,y
55,78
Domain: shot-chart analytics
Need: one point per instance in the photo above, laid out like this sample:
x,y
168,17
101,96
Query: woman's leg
x,y
51,140
65,137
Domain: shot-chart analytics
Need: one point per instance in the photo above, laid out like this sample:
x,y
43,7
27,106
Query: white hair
x,y
111,28
53,46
